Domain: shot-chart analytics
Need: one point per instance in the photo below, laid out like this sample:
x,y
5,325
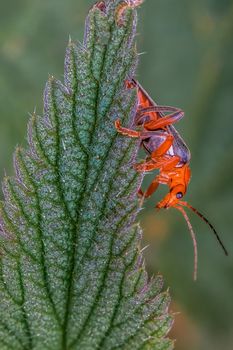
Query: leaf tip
x,y
123,7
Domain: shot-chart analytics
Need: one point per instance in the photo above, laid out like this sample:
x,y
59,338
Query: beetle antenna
x,y
193,239
207,222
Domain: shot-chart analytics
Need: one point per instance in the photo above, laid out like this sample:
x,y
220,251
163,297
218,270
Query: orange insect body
x,y
167,152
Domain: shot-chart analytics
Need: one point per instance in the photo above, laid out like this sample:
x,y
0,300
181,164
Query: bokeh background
x,y
186,61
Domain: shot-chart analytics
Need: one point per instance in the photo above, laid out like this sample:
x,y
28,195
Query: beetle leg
x,y
130,84
158,123
126,131
151,189
146,166
140,192
150,164
165,163
163,179
156,160
170,163
164,147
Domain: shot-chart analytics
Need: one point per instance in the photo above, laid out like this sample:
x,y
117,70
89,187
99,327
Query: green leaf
x,y
71,272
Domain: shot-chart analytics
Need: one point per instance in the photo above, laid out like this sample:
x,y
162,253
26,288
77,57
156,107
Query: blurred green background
x,y
188,62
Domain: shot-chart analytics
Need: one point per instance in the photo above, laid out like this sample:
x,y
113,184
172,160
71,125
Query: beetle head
x,y
172,198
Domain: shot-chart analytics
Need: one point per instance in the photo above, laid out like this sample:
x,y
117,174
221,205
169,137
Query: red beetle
x,y
167,152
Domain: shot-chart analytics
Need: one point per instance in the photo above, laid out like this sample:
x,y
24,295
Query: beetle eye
x,y
179,195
